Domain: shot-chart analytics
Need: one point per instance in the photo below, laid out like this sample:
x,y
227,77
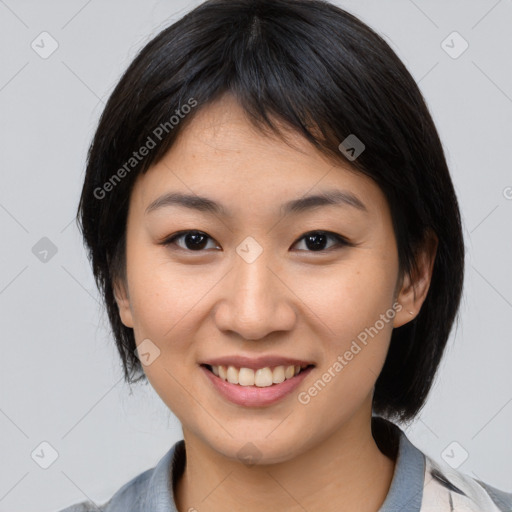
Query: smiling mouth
x,y
262,377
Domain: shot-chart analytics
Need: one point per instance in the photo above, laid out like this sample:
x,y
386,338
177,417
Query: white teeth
x,y
263,377
278,375
232,375
246,377
289,372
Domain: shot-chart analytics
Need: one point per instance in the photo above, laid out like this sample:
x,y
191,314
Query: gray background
x,y
60,380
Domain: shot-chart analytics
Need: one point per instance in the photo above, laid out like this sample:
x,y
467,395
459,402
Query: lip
x,y
253,396
270,361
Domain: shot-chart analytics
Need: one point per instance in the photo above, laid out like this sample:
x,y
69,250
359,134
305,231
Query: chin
x,y
260,449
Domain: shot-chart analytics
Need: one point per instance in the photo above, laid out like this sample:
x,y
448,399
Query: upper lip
x,y
255,363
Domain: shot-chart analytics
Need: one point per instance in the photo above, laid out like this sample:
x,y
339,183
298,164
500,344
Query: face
x,y
258,285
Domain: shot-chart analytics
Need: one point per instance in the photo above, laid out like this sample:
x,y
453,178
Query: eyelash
x,y
341,241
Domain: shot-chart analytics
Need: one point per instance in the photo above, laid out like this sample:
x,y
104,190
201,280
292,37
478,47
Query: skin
x,y
292,300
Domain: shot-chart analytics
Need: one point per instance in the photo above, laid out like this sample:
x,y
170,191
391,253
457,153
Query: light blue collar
x,y
155,493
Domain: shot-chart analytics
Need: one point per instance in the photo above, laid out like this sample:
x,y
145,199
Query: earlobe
x,y
123,303
415,286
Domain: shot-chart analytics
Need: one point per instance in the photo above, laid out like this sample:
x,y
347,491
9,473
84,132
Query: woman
x,y
271,220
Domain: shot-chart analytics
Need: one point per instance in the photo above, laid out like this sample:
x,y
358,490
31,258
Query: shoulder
x,y
445,486
422,484
85,506
502,499
123,500
80,507
149,490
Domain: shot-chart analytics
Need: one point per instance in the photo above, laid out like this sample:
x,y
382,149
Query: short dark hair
x,y
325,74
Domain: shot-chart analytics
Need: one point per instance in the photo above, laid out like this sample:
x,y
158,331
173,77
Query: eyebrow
x,y
333,197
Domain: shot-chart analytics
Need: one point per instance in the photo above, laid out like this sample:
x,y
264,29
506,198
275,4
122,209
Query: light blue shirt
x,y
419,483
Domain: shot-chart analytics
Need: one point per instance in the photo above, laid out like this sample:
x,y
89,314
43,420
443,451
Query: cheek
x,y
354,306
350,298
161,294
162,302
354,344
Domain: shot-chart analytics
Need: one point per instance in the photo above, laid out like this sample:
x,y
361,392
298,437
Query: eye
x,y
315,241
194,240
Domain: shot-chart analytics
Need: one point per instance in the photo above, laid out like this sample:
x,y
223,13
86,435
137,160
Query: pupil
x,y
195,237
317,245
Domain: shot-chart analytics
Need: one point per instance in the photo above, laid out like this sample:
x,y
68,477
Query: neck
x,y
347,471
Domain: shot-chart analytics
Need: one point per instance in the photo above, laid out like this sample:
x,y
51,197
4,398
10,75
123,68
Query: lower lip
x,y
253,396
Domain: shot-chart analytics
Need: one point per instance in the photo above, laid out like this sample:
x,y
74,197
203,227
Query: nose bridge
x,y
254,302
253,285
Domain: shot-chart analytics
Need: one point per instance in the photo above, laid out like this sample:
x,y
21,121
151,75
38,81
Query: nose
x,y
255,301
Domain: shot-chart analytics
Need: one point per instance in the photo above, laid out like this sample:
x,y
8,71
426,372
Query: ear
x,y
414,286
123,302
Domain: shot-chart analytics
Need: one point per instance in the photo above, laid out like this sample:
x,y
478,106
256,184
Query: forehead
x,y
221,154
223,129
